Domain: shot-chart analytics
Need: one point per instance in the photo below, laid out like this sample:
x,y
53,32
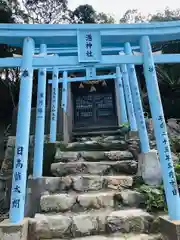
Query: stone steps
x,y
91,223
95,168
118,237
86,183
93,145
94,200
92,156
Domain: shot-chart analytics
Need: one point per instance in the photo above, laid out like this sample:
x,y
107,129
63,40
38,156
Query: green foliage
x,y
177,170
154,198
87,14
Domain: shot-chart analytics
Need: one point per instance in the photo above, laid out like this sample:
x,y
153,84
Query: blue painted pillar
x,y
54,105
128,98
122,103
162,141
18,192
64,102
40,120
138,109
64,91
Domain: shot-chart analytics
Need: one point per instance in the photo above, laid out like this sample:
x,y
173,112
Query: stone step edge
x,y
93,163
111,182
111,155
116,237
119,167
91,223
63,202
124,213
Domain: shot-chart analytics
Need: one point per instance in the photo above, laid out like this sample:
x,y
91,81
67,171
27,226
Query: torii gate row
x,y
89,39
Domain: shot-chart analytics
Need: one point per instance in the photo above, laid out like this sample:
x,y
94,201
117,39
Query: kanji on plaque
x,y
89,46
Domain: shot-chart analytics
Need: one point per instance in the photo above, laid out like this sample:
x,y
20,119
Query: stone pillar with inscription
x,y
18,192
160,130
40,120
54,105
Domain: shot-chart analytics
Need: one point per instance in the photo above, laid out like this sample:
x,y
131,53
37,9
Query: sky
x,y
117,8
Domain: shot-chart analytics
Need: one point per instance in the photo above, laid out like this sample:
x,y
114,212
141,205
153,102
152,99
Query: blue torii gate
x,y
89,40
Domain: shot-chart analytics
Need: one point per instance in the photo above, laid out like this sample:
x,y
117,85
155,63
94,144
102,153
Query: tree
x,y
87,14
132,16
46,11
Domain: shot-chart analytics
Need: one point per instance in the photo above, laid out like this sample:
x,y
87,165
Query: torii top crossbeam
x,y
112,35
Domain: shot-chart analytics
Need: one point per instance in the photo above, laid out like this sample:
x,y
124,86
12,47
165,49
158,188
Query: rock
x,y
87,183
66,156
132,198
92,156
57,202
97,145
122,237
96,200
100,168
173,127
56,184
11,141
117,182
134,147
118,155
94,183
52,226
134,220
175,158
84,225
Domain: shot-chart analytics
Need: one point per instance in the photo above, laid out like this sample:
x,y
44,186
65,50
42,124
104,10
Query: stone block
x,y
94,168
52,226
9,231
149,168
132,135
170,230
57,202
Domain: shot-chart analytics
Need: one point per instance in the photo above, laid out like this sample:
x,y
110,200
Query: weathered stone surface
x,y
84,225
92,200
66,156
52,226
17,231
117,182
57,202
132,198
122,237
88,183
92,156
94,183
90,223
53,184
96,200
100,168
84,183
94,146
134,220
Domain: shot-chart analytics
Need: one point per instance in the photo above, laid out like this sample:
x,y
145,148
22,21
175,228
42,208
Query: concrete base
x,y
170,230
149,168
35,188
9,231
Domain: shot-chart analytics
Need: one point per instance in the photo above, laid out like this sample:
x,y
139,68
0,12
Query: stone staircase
x,y
91,196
